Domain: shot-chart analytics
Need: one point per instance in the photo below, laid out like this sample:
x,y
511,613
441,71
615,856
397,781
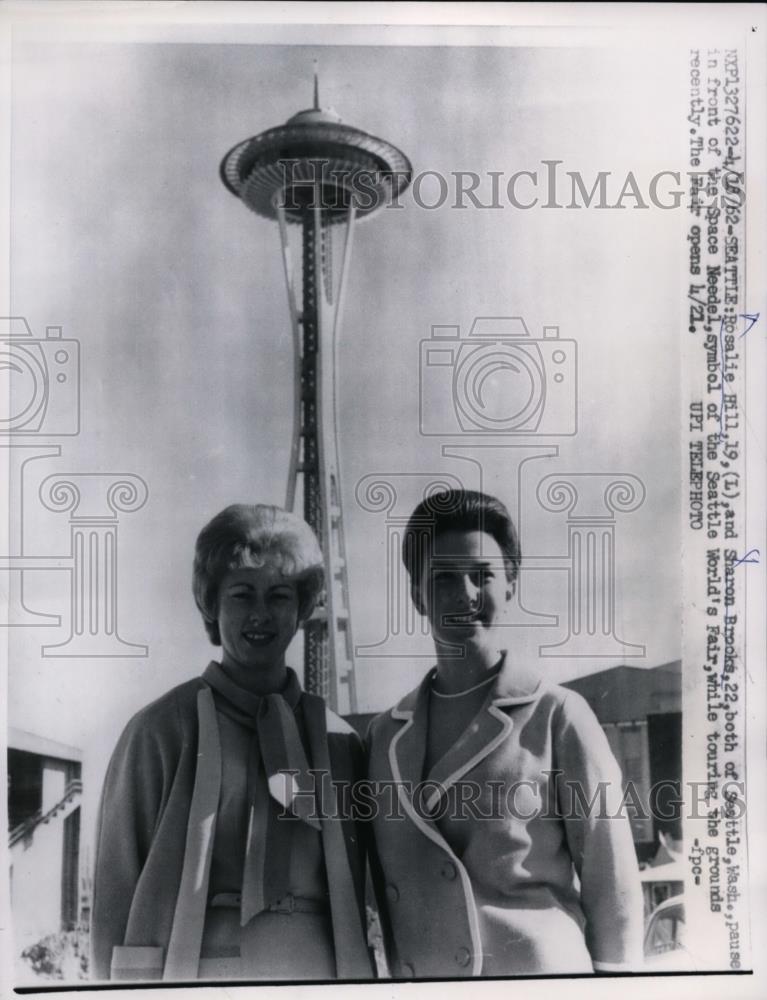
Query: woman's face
x,y
465,594
257,617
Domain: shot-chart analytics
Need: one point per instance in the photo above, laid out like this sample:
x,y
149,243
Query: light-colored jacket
x,y
535,881
156,832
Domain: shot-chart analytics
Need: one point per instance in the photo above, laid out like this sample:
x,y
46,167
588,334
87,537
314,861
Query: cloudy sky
x,y
122,234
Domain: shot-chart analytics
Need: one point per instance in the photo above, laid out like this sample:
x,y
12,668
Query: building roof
x,y
19,739
629,694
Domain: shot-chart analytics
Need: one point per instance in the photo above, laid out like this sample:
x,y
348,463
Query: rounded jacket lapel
x,y
349,933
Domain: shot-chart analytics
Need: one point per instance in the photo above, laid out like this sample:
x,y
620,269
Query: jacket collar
x,y
515,685
241,704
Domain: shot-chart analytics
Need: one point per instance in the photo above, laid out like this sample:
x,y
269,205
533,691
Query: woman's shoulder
x,y
385,725
561,710
338,729
572,705
574,724
335,725
175,709
380,725
157,737
338,725
565,702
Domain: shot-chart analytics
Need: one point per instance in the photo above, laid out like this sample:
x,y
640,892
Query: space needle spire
x,y
322,176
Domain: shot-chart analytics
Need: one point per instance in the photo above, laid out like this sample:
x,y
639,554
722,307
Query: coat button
x,y
448,871
392,893
408,972
463,957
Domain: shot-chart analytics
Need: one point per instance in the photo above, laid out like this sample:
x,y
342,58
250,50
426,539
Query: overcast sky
x,y
123,234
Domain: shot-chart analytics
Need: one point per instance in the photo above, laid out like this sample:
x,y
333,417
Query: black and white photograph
x,y
383,446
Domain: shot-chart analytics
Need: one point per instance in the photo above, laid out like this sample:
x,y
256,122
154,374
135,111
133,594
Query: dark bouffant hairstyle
x,y
458,510
243,535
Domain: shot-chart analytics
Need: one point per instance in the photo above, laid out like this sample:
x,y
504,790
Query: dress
x,y
174,825
495,869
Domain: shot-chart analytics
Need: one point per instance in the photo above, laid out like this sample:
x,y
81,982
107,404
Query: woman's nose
x,y
468,590
259,611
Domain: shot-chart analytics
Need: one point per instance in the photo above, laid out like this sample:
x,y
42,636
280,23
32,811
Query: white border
x,y
461,24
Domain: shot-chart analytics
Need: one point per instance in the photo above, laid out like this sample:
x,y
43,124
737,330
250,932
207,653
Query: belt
x,y
288,904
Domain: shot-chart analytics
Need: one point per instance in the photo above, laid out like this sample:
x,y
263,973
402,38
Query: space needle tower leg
x,y
340,644
295,325
328,644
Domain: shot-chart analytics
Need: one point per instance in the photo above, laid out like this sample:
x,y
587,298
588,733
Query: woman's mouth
x,y
469,618
258,637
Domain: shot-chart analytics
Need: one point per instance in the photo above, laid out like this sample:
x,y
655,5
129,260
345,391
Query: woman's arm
x,y
130,804
590,796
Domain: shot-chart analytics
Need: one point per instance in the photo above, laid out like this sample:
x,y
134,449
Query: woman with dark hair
x,y
515,855
221,851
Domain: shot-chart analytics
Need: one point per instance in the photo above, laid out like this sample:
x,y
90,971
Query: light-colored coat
x,y
505,899
156,831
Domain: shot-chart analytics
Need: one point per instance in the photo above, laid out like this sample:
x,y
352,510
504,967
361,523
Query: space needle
x,y
321,175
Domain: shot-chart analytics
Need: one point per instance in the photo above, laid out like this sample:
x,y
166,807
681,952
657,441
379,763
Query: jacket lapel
x,y
183,956
407,750
349,935
487,730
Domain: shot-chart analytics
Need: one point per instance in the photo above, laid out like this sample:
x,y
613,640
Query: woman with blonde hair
x,y
221,850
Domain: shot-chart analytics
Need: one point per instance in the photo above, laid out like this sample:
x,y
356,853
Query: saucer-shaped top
x,y
315,159
313,116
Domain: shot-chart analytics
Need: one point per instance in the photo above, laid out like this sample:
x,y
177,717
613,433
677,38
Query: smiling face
x,y
464,593
257,619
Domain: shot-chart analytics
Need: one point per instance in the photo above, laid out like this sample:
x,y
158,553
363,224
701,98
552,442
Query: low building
x,y
44,795
640,711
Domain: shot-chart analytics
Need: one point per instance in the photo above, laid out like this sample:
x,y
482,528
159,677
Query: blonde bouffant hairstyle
x,y
243,535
